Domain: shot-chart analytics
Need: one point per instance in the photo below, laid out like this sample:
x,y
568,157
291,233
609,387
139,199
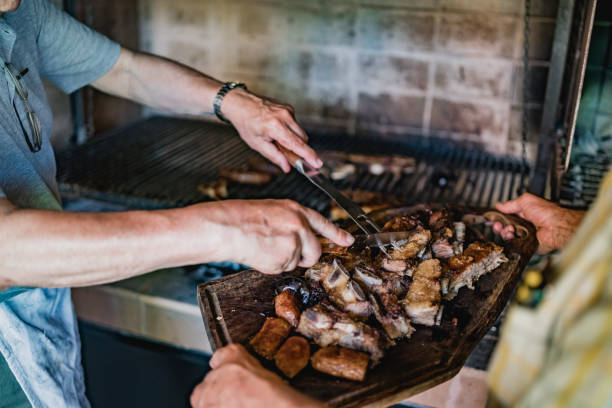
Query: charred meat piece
x,y
293,356
286,305
341,362
423,299
343,291
415,243
269,338
383,297
402,223
479,258
399,266
326,326
246,176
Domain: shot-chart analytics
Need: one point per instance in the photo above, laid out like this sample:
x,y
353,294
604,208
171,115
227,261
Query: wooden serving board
x,y
235,307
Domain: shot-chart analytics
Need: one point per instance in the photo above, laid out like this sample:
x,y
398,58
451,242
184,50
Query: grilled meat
x,y
442,248
216,190
326,326
414,244
423,299
341,362
404,222
293,356
383,295
286,305
395,265
479,257
368,200
246,176
343,291
269,338
262,165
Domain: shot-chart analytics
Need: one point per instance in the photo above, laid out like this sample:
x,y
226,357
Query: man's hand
x,y
164,84
238,380
272,236
555,225
261,122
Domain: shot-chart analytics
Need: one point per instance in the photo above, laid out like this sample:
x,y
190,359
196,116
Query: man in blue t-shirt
x,y
44,251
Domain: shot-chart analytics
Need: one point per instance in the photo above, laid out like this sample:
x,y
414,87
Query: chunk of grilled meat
x,y
442,248
479,258
415,243
395,265
423,299
327,326
293,356
269,338
341,362
286,305
343,291
383,295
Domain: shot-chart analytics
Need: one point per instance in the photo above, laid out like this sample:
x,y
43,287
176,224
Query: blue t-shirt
x,y
38,332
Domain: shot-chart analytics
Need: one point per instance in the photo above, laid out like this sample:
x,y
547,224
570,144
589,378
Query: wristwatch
x,y
228,86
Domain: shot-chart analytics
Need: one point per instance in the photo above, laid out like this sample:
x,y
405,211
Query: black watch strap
x,y
228,86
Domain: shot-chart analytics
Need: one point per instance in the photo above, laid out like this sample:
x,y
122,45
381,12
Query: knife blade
x,y
368,240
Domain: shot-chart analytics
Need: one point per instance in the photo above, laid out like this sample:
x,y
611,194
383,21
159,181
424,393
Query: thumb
x,y
511,207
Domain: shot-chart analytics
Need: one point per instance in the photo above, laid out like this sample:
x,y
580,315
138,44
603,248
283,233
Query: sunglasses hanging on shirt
x,y
35,141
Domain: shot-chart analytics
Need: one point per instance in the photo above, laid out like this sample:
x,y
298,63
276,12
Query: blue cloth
x,y
38,333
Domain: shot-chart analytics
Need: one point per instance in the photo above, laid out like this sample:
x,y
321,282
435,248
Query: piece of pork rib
x,y
341,289
411,247
383,295
479,258
326,326
422,303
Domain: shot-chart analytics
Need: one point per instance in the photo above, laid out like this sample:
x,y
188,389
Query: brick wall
x,y
449,68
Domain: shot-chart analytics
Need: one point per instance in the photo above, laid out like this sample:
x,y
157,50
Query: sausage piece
x,y
341,362
245,176
293,356
269,338
287,307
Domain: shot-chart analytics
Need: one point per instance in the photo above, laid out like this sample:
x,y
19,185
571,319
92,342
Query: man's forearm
x,y
52,249
160,83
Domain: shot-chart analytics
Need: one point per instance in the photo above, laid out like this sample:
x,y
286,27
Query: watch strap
x,y
225,89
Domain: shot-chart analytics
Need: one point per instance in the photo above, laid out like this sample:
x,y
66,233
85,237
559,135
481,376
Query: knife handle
x,y
292,158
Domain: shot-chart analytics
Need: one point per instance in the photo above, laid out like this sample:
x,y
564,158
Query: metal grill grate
x,y
159,162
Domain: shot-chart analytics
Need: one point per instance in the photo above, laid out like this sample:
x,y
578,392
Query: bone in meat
x,y
478,259
341,362
414,244
385,304
269,338
326,326
293,356
343,291
423,299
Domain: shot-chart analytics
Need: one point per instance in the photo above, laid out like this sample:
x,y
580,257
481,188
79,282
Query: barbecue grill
x,y
159,162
